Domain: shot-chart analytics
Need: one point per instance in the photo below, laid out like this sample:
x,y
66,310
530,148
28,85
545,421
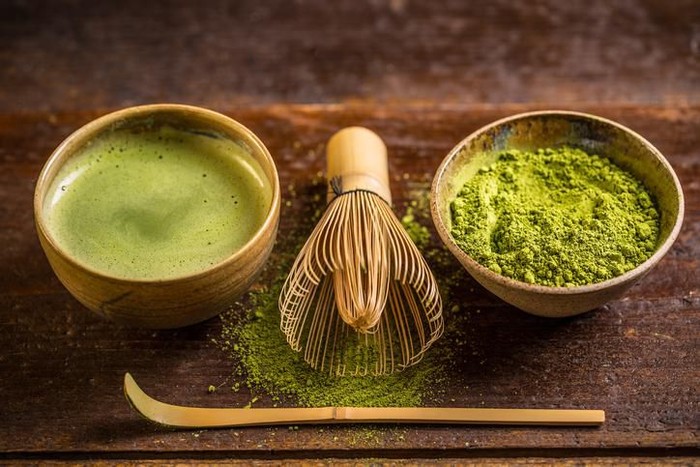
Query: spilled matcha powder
x,y
555,217
268,364
265,363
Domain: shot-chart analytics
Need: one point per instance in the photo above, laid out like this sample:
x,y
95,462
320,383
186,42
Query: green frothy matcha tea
x,y
159,203
555,217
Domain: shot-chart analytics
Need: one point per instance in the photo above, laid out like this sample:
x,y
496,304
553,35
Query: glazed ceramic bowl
x,y
167,302
530,131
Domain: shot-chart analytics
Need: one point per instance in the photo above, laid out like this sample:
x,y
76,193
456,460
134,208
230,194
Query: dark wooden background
x,y
422,74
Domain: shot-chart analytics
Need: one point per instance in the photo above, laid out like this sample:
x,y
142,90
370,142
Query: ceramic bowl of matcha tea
x,y
556,212
158,216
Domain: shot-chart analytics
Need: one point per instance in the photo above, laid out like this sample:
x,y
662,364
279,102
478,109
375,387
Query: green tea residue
x,y
555,217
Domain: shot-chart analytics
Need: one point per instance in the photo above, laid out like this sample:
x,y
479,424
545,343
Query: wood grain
x,y
636,358
81,54
421,74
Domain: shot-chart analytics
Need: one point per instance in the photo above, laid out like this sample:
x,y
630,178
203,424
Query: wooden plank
x,y
636,358
489,461
75,55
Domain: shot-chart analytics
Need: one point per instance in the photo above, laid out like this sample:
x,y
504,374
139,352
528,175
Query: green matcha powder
x,y
555,217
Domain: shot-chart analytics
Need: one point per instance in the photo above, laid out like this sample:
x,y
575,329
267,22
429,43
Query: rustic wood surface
x,y
423,76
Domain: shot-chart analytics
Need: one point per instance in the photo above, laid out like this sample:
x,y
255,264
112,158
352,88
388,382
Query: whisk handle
x,y
356,159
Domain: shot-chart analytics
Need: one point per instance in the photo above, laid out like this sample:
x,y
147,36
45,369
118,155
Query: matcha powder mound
x,y
555,217
267,363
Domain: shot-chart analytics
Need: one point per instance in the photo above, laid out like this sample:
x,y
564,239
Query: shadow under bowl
x,y
552,129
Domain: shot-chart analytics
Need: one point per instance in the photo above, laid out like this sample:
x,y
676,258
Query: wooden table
x,y
423,76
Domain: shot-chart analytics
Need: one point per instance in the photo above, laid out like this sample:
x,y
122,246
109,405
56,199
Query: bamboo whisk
x,y
360,298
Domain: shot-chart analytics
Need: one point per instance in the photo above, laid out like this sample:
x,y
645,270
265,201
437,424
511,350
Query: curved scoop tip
x,y
141,402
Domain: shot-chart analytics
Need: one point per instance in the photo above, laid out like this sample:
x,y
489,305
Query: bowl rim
x,y
628,276
84,133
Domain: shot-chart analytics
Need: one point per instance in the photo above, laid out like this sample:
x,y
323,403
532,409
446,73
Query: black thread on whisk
x,y
336,184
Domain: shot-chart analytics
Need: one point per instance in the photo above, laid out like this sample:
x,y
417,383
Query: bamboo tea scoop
x,y
196,417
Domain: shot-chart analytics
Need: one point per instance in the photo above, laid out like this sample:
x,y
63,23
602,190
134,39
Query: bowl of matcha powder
x,y
556,212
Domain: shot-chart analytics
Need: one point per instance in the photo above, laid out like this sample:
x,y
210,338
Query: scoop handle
x,y
356,159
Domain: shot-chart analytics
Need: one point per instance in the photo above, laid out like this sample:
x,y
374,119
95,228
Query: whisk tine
x,y
360,298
